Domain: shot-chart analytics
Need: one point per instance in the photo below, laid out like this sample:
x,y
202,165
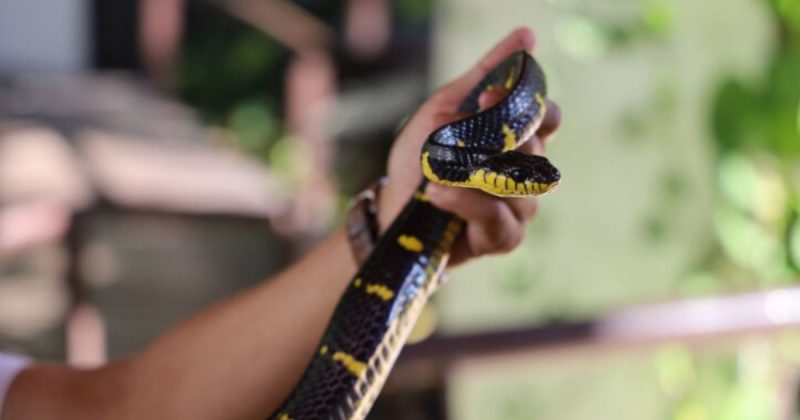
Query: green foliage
x,y
232,75
737,385
757,135
788,12
218,72
590,38
732,115
758,142
255,125
793,241
658,16
756,220
413,10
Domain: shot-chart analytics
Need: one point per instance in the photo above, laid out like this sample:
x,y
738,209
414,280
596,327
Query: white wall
x,y
44,35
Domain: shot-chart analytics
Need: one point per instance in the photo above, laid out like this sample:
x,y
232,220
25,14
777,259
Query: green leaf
x,y
731,117
793,241
658,16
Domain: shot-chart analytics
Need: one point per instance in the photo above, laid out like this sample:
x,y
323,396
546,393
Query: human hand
x,y
494,224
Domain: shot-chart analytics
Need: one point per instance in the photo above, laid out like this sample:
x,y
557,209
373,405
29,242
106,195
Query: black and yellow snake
x,y
382,302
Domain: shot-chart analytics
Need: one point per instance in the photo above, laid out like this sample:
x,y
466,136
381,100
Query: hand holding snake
x,y
476,134
494,224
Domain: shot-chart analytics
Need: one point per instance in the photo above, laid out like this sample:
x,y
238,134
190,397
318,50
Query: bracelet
x,y
362,221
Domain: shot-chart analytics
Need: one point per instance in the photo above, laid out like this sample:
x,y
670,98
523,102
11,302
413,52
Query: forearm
x,y
236,360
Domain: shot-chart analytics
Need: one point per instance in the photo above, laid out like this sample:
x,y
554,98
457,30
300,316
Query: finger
x,y
524,208
469,204
534,146
488,98
520,39
550,123
491,224
443,118
461,251
502,235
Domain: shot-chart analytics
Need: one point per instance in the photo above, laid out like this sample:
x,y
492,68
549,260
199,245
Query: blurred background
x,y
158,155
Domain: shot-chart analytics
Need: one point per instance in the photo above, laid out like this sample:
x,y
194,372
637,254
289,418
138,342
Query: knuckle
x,y
501,239
441,92
524,209
444,197
480,249
531,208
493,214
511,240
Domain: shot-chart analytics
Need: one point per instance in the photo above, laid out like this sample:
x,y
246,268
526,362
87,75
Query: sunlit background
x,y
158,155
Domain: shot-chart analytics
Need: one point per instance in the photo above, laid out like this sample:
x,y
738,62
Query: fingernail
x,y
530,40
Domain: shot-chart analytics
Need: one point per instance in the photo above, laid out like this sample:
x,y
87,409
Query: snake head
x,y
516,174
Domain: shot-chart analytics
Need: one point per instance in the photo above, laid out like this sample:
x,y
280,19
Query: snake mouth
x,y
550,187
505,185
516,174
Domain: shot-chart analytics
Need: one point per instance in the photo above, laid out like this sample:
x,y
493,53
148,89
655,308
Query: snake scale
x,y
377,310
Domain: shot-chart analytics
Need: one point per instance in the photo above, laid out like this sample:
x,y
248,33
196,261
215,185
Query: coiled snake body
x,y
382,302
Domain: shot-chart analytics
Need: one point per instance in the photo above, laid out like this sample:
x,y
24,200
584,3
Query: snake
x,y
380,305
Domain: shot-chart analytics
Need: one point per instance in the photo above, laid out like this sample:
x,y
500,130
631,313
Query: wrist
x,y
389,205
363,224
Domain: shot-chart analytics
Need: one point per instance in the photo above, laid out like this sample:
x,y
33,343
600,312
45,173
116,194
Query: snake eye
x,y
551,174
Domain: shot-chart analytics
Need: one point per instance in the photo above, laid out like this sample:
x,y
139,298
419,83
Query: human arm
x,y
235,360
240,358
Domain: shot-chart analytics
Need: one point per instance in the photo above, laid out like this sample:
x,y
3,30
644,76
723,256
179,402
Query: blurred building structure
x,y
94,170
124,190
45,36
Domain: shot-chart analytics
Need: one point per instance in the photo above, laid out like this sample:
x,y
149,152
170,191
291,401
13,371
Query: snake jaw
x,y
515,174
509,174
550,187
503,186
